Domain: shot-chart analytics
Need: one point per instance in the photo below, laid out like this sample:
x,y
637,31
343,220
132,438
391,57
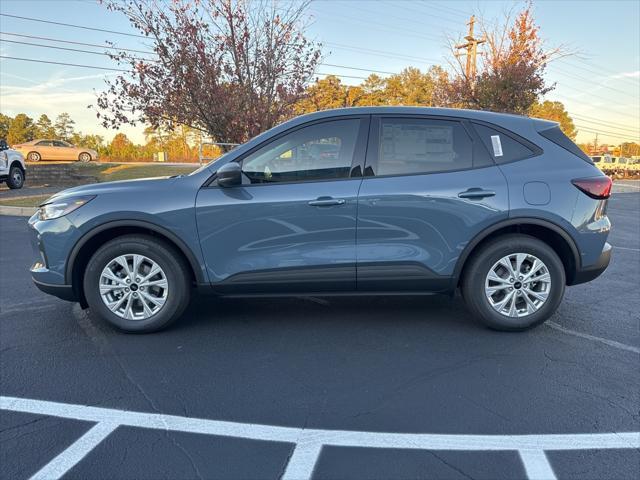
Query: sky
x,y
599,81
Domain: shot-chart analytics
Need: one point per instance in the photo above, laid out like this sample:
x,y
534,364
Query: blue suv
x,y
363,200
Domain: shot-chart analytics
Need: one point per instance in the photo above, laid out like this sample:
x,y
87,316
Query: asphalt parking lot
x,y
383,387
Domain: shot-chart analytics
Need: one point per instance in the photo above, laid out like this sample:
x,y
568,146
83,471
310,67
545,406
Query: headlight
x,y
59,208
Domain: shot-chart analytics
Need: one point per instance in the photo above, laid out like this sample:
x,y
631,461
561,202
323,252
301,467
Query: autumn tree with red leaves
x,y
231,68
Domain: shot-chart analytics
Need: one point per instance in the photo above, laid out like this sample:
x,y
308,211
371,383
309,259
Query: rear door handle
x,y
327,202
476,193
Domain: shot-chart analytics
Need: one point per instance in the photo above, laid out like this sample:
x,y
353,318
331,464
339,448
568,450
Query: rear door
x,y
62,151
429,188
291,225
46,149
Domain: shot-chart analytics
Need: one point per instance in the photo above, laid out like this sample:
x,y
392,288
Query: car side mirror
x,y
3,145
229,175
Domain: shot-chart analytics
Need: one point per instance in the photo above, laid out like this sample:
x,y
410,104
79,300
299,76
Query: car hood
x,y
145,184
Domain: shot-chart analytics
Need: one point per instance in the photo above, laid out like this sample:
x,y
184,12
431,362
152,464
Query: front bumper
x,y
64,292
51,240
595,270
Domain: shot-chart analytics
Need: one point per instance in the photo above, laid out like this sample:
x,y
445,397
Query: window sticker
x,y
497,146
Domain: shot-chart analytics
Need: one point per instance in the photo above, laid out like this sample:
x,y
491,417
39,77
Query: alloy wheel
x,y
133,287
518,285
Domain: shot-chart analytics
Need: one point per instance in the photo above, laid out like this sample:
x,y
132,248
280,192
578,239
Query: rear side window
x,y
556,136
502,147
414,145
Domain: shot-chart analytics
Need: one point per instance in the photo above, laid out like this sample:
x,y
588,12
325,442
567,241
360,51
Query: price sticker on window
x,y
497,145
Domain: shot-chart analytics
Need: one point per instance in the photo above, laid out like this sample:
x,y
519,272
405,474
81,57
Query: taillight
x,y
595,187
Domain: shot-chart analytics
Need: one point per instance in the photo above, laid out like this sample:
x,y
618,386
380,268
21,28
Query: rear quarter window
x,y
501,146
559,138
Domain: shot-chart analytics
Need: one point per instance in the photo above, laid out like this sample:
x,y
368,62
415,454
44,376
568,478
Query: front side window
x,y
44,143
318,152
414,146
503,148
60,143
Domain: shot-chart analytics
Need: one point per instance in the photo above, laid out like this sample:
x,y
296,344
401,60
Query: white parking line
x,y
308,442
627,248
605,341
60,465
303,461
536,465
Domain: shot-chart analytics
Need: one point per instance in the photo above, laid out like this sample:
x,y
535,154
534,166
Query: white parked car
x,y
12,168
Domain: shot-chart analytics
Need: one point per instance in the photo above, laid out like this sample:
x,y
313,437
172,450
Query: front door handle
x,y
327,202
476,193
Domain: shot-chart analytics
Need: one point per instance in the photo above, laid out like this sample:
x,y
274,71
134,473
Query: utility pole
x,y
471,48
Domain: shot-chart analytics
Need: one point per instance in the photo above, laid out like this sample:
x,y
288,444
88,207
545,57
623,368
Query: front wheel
x,y
34,157
137,283
514,283
16,178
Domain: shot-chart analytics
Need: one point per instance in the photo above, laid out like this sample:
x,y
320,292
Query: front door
x,y
429,188
291,225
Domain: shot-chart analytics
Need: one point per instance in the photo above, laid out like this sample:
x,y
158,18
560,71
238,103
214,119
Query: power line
x,y
72,25
381,53
61,63
112,47
607,133
617,112
65,48
383,26
34,60
151,60
606,124
600,119
586,80
358,68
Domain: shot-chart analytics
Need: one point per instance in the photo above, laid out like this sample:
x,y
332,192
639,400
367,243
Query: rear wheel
x,y
34,157
16,177
84,157
137,283
514,283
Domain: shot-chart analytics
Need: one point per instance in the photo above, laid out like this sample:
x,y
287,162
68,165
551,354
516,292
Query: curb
x,y
17,211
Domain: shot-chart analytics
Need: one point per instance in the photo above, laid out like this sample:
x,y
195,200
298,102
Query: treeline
x,y
180,144
412,87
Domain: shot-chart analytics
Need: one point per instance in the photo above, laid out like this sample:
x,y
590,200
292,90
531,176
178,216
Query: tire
x,y
34,157
16,177
521,315
174,272
84,157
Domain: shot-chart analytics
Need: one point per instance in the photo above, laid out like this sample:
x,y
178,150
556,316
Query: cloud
x,y
635,74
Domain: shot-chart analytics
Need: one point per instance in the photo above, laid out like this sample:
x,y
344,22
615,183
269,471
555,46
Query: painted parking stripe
x,y
536,465
627,248
64,462
605,341
303,461
308,442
